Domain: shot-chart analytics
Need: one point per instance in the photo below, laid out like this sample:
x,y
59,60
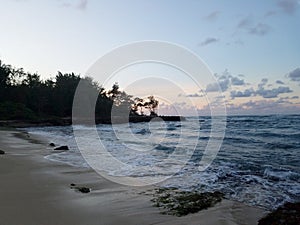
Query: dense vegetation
x,y
25,96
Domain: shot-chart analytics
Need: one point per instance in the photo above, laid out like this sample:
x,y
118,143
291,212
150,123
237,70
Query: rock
x,y
52,144
83,189
64,147
288,214
2,152
80,189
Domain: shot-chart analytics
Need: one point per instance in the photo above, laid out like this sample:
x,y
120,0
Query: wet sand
x,y
34,190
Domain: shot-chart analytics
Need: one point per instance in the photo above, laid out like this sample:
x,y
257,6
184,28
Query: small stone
x,y
52,144
72,185
2,152
83,190
64,147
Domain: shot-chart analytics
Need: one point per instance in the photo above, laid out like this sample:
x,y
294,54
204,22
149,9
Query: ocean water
x,y
258,162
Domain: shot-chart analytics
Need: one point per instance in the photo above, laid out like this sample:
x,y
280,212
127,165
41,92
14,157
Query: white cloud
x,y
294,75
209,40
242,94
212,16
270,13
81,4
279,82
225,82
260,29
195,95
289,6
250,27
237,81
263,107
245,23
273,93
263,82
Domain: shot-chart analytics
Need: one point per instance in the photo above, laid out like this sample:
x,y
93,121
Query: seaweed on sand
x,y
181,203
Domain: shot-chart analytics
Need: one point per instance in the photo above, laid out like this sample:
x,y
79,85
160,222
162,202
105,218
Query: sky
x,y
251,47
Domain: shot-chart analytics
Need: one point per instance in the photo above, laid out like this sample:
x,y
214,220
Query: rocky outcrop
x,y
288,214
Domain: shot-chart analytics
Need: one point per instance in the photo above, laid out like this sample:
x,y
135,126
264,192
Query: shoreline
x,y
86,121
40,190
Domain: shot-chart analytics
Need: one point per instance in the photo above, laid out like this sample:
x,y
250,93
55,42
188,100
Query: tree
x,y
114,92
140,104
122,102
152,105
5,72
63,93
26,93
137,106
32,80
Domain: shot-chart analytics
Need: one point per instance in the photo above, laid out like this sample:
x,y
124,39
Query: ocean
x,y
258,162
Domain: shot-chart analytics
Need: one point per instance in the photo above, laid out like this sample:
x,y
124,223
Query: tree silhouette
x,y
152,105
137,105
26,96
140,104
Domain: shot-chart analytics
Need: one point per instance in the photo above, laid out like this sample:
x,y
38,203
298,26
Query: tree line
x,y
25,96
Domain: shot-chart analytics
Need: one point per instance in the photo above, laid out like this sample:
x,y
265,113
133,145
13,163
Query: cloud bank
x,y
225,82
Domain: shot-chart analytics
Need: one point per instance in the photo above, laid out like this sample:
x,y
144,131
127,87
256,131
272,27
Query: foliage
x,y
15,111
140,105
24,95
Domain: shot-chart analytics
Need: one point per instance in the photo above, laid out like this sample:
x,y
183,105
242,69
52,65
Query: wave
x,y
143,131
281,175
277,145
165,149
258,162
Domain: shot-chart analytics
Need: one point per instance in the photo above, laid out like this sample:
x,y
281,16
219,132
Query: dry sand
x,y
35,191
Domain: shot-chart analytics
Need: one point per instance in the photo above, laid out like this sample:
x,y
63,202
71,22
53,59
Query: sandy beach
x,y
35,190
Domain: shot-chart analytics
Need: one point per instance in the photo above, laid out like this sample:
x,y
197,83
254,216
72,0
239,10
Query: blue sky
x,y
252,46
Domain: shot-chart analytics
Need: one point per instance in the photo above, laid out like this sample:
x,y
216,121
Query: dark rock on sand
x,y
83,189
2,152
80,189
52,144
64,147
288,214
